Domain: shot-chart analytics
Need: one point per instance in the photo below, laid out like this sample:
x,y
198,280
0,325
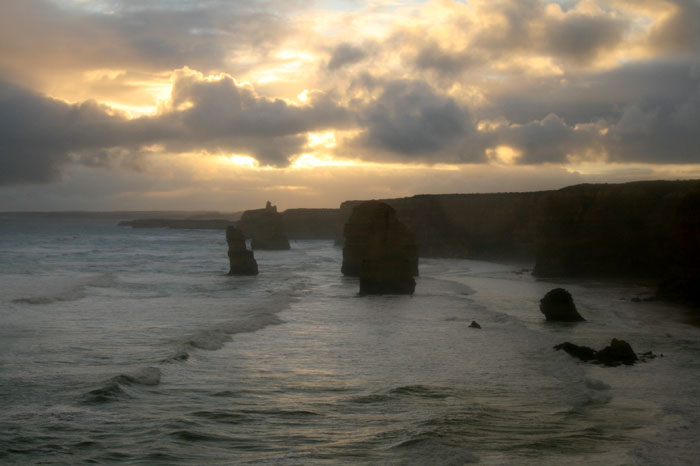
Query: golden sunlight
x,y
244,161
325,140
503,155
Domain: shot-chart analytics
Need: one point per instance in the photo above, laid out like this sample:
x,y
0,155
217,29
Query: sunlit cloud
x,y
278,91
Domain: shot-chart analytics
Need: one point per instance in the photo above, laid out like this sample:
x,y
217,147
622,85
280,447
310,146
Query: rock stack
x,y
380,250
241,259
558,306
265,227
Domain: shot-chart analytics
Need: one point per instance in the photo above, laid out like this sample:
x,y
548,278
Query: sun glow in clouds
x,y
244,161
503,155
325,140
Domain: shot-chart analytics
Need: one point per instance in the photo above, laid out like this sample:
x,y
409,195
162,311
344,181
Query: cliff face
x,y
380,250
682,283
620,230
310,223
265,227
647,230
474,226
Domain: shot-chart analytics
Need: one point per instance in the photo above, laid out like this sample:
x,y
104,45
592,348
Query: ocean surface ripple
x,y
134,346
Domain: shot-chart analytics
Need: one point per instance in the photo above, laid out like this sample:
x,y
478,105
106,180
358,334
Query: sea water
x,y
122,345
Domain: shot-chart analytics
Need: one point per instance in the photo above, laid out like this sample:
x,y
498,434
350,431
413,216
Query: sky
x,y
222,105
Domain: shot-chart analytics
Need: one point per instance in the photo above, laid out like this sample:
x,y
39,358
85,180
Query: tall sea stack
x,y
241,259
265,227
380,250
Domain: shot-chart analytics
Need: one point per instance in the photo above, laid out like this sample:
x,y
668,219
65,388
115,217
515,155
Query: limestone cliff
x,y
380,250
241,260
682,282
609,230
265,227
310,223
499,226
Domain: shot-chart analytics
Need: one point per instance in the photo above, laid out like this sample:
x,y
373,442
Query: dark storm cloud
x,y
642,112
432,56
345,54
410,118
580,38
549,140
224,116
39,136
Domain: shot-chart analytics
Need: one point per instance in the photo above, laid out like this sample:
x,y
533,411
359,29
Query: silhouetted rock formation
x,y
265,227
310,223
558,306
682,283
241,259
629,230
620,230
616,353
474,324
584,353
380,250
469,226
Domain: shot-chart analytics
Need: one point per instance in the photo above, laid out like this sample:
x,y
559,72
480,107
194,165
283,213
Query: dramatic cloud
x,y
410,118
123,85
345,54
581,37
40,135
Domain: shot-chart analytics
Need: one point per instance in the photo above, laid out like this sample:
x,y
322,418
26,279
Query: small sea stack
x,y
558,306
380,250
241,259
265,227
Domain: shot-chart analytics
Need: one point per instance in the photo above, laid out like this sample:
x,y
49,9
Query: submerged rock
x,y
558,306
380,250
265,227
242,260
616,353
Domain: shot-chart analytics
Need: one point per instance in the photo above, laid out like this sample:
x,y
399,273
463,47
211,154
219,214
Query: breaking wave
x,y
116,388
73,293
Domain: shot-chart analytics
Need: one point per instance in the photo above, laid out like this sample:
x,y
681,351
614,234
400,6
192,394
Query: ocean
x,y
122,345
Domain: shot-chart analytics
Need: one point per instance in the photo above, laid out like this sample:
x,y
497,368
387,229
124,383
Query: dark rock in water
x,y
616,353
241,259
474,324
558,306
380,250
373,224
584,353
265,227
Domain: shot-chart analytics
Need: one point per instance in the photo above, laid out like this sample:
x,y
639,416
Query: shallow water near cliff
x,y
121,345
